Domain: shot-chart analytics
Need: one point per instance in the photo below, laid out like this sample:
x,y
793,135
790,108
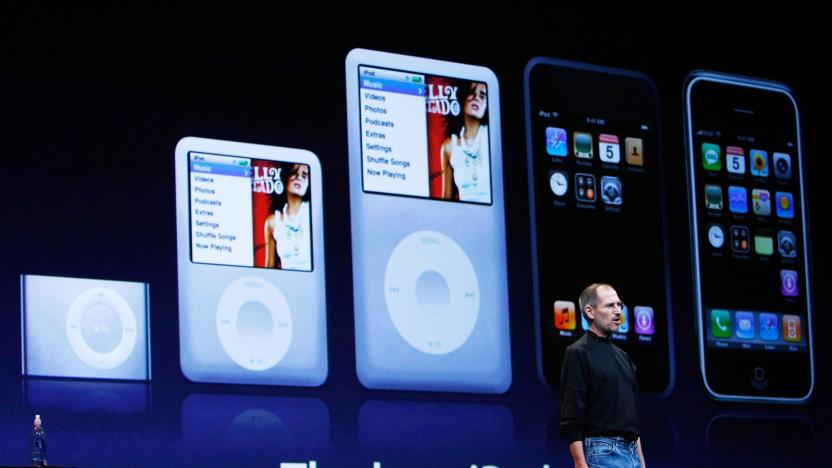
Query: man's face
x,y
606,313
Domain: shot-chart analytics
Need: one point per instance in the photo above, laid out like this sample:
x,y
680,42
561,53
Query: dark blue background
x,y
92,105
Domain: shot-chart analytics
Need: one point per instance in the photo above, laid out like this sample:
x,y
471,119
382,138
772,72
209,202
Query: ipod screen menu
x,y
250,212
424,135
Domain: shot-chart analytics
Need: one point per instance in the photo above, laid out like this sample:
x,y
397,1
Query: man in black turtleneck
x,y
599,412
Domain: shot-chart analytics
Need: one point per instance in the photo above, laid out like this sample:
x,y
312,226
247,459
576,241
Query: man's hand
x,y
640,454
577,450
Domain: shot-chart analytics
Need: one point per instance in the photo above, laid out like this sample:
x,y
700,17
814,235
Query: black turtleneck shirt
x,y
599,391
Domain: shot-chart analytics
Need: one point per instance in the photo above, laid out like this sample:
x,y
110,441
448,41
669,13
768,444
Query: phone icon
x,y
720,323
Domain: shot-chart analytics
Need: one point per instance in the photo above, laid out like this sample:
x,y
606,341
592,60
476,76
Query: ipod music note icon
x,y
565,315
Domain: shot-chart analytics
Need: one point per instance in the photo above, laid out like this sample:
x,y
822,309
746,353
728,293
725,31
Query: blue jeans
x,y
611,452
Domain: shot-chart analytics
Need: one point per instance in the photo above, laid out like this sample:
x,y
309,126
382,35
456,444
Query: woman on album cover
x,y
287,229
465,163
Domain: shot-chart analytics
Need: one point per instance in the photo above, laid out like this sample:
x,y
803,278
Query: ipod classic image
x,y
428,224
250,251
84,328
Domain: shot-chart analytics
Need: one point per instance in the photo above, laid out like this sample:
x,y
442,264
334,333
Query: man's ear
x,y
590,312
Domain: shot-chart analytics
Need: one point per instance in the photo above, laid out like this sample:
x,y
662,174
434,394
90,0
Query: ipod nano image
x,y
84,328
252,296
428,229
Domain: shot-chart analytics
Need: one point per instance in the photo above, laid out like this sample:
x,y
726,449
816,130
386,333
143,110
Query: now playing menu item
x,y
252,292
429,277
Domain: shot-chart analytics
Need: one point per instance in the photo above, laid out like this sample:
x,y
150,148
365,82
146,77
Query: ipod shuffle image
x,y
84,328
250,255
428,225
